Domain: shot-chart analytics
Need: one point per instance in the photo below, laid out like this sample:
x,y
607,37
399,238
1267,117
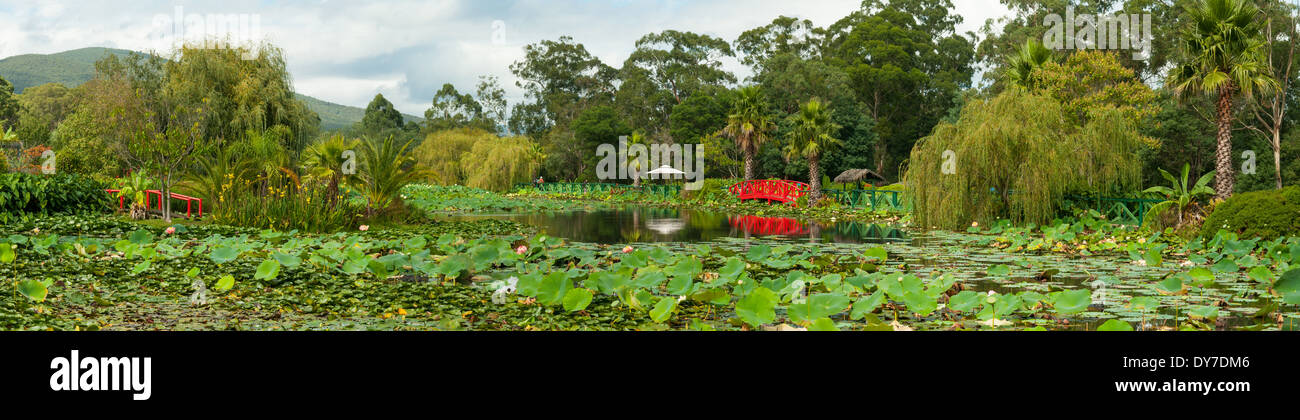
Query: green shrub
x,y
1265,214
23,196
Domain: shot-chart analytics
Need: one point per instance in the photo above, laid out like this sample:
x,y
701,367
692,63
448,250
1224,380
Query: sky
x,y
346,51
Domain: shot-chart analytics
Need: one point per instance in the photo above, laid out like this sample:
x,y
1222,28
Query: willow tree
x,y
1015,157
499,163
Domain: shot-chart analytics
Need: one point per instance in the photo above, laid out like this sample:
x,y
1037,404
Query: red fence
x,y
148,201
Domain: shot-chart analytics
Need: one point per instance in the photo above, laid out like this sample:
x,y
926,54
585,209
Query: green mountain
x,y
72,68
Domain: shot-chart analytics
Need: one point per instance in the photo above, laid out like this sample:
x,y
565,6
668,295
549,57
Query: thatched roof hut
x,y
858,175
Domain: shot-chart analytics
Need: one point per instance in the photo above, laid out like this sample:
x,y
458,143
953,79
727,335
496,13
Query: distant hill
x,y
72,68
334,116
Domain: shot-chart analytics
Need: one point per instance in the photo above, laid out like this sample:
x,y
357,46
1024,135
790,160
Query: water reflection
x,y
649,224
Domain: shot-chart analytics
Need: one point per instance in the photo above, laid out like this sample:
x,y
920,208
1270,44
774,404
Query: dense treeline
x,y
886,75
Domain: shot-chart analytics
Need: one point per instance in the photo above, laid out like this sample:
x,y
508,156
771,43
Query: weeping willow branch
x,y
1015,157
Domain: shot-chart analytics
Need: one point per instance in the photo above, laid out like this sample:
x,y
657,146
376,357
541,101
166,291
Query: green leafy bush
x,y
1265,214
23,196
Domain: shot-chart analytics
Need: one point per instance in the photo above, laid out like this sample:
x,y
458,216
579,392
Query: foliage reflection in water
x,y
649,224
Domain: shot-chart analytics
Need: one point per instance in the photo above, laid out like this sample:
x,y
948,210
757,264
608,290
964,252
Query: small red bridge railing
x,y
770,190
148,201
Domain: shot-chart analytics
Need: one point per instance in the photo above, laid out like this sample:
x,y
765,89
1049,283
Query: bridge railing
x,y
1128,211
872,199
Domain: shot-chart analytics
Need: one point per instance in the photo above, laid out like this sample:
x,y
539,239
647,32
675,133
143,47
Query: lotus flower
x,y
627,249
364,228
521,250
170,230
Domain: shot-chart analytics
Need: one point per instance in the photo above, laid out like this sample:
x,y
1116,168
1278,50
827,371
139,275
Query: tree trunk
x,y
1224,176
814,179
1277,157
166,203
749,165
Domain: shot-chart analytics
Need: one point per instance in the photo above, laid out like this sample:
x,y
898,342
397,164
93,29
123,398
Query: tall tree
x,y
906,62
1225,50
749,125
8,105
561,79
812,136
381,118
1270,110
243,94
451,109
665,69
785,35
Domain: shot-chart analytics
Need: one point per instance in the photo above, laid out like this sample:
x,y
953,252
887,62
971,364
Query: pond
x,y
649,224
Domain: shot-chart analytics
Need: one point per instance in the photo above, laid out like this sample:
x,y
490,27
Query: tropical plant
x,y
811,138
1178,195
1030,58
1225,51
325,160
636,166
748,125
23,195
386,167
133,188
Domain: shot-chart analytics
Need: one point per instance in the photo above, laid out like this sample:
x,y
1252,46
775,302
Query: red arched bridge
x,y
770,190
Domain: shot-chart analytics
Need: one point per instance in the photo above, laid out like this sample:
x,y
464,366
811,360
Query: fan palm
x,y
1178,196
1031,57
636,165
811,137
1225,56
326,160
748,125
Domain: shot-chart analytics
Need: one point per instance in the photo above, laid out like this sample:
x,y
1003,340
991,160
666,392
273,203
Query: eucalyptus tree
x,y
906,61
1225,57
1270,110
785,35
560,78
663,71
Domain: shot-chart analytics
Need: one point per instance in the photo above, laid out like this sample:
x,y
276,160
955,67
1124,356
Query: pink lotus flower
x,y
521,250
627,249
170,230
365,228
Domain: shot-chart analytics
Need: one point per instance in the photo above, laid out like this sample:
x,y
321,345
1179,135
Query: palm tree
x,y
1225,56
811,137
325,160
635,166
748,125
1032,56
386,167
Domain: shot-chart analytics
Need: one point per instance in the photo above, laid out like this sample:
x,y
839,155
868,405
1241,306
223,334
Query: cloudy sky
x,y
345,51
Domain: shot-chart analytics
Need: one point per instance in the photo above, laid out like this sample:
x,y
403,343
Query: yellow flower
x,y
401,311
